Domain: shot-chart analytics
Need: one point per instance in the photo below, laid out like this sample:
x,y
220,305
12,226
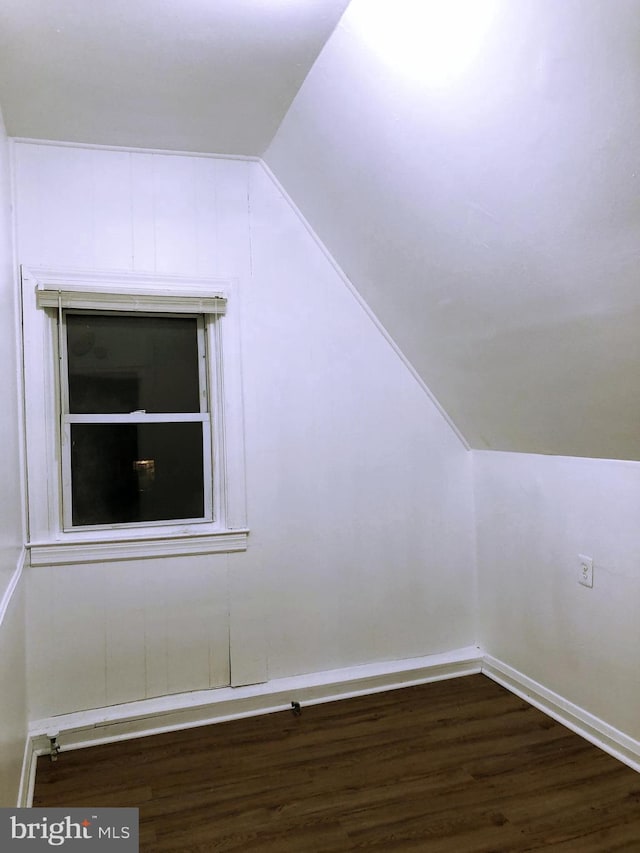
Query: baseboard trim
x,y
188,710
588,726
28,774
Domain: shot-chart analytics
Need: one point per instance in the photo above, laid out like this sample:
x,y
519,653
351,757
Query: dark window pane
x,y
119,364
124,473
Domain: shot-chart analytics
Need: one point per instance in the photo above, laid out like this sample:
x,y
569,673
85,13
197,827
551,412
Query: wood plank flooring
x,y
461,766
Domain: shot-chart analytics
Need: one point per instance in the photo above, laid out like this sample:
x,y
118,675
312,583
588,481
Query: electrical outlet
x,y
585,571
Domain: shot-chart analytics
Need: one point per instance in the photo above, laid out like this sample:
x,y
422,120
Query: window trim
x,y
44,292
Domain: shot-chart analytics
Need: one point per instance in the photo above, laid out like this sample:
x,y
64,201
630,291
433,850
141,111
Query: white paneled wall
x,y
127,631
11,514
13,699
100,209
13,709
359,494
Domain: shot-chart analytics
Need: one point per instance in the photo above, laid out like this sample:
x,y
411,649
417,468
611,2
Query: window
x,y
136,425
136,417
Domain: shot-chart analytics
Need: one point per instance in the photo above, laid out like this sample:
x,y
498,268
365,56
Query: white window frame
x,y
45,294
67,419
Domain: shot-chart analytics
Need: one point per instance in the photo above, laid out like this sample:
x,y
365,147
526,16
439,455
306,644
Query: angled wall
x,y
13,713
491,220
359,493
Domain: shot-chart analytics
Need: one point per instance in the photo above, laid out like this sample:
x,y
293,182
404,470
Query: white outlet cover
x,y
585,570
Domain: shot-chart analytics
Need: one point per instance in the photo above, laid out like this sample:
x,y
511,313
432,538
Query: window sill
x,y
67,552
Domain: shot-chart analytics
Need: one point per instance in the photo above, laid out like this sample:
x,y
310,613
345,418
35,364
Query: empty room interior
x,y
320,362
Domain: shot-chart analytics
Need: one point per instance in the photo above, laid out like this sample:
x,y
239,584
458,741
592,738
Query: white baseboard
x,y
588,726
187,710
28,775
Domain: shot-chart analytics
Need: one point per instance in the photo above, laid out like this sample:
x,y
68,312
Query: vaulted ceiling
x,y
489,215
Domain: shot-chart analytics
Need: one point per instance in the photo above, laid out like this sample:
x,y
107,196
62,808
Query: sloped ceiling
x,y
492,223
193,75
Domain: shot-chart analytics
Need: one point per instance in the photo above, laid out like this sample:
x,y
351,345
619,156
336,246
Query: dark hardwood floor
x,y
456,766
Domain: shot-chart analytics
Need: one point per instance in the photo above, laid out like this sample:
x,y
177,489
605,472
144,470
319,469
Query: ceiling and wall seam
x,y
132,149
364,305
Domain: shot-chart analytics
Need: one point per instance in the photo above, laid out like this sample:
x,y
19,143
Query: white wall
x,y
357,487
361,542
13,698
535,514
12,655
359,494
11,536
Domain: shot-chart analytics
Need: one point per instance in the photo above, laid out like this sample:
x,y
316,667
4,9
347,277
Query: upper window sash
x,y
204,389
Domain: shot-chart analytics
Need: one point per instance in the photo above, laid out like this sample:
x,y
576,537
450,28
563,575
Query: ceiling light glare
x,y
433,41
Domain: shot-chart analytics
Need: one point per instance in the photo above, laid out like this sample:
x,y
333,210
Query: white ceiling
x,y
193,75
492,224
